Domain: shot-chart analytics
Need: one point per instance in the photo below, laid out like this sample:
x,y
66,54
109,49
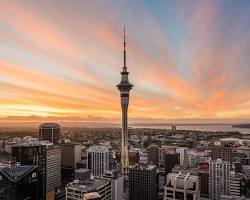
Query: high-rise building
x,y
47,157
222,152
218,179
124,87
204,179
19,183
162,151
183,157
53,167
143,182
98,159
182,186
117,183
171,159
76,189
70,155
153,154
32,154
50,132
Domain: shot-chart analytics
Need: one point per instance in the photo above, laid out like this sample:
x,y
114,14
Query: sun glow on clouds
x,y
63,58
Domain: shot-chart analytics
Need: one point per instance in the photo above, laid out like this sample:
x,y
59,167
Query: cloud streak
x,y
62,59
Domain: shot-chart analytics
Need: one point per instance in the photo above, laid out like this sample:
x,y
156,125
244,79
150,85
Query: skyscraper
x,y
222,152
70,155
171,159
50,132
124,87
218,178
33,154
98,159
153,154
19,182
53,168
203,173
143,182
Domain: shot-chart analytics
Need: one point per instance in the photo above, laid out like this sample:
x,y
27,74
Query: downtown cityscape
x,y
119,100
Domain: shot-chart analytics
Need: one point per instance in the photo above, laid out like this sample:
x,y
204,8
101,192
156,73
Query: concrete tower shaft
x,y
124,87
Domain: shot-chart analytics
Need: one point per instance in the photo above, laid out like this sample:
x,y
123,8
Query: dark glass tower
x,y
19,183
143,182
153,154
171,159
124,87
33,155
50,132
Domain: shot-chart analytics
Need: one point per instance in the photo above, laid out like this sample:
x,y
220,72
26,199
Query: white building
x,y
98,159
182,186
218,179
183,156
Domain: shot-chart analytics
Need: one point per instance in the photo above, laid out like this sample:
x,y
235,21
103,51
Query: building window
x,y
33,175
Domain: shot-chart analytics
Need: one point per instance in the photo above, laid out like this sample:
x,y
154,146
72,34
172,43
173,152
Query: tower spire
x,y
124,87
124,50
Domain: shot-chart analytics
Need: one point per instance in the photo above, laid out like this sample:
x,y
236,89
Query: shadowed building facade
x,y
124,87
70,155
143,182
153,154
33,155
19,183
222,152
50,132
171,159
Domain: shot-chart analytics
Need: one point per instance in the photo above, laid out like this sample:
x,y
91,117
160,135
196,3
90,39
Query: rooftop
x,y
82,170
98,148
90,185
15,173
49,125
92,195
143,166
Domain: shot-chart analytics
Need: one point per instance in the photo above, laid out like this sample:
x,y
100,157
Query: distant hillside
x,y
241,126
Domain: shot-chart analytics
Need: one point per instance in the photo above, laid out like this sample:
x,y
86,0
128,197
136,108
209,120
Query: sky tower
x,y
124,87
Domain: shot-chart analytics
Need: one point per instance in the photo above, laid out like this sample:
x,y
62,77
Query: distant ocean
x,y
213,128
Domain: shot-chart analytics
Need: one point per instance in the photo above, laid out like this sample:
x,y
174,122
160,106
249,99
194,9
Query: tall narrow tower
x,y
124,87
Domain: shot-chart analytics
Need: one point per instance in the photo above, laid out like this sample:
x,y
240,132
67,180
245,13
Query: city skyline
x,y
61,60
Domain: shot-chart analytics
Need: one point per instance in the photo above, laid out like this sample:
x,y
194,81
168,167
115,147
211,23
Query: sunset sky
x,y
62,59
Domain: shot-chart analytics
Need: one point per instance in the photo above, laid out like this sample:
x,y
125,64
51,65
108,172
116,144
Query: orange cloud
x,y
59,61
